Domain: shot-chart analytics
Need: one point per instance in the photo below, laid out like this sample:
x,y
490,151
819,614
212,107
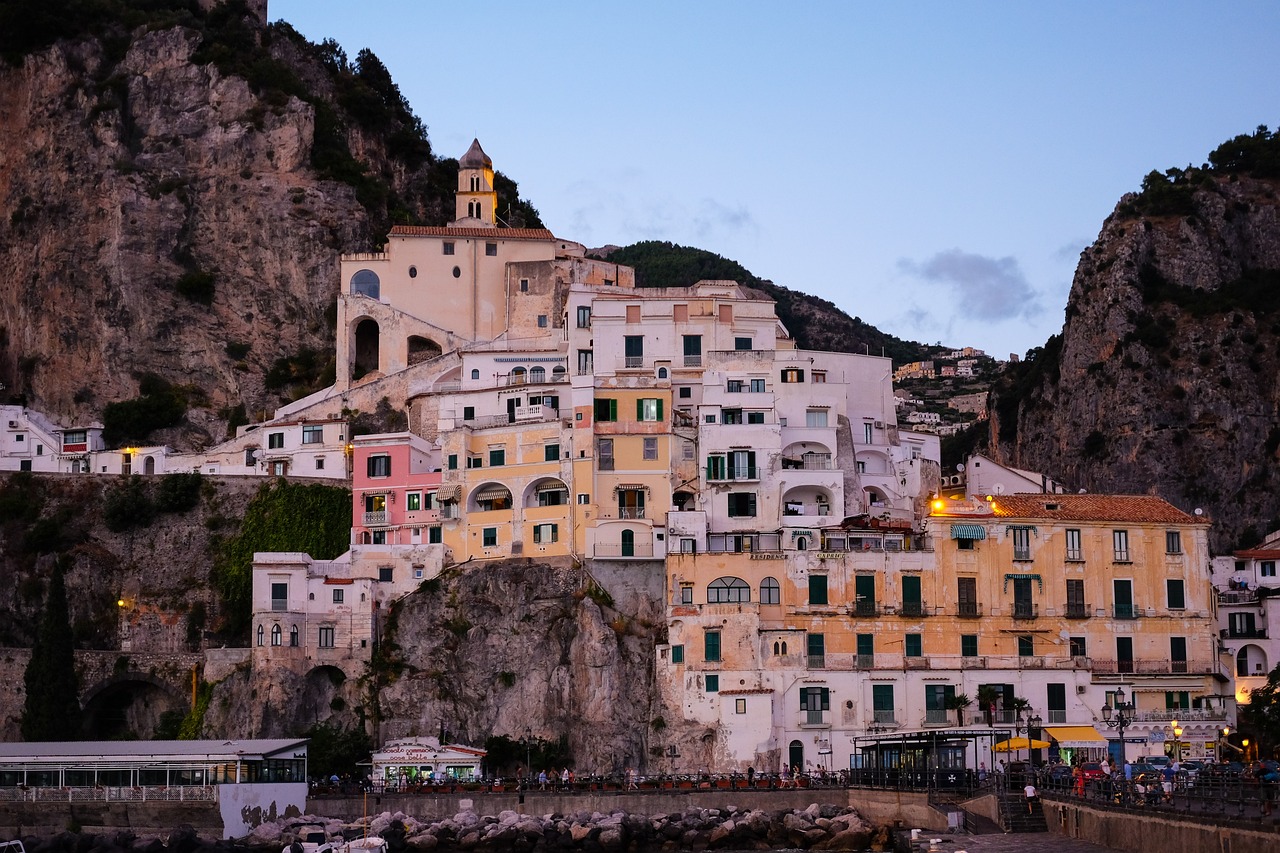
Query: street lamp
x,y
528,752
1177,742
1118,717
1033,723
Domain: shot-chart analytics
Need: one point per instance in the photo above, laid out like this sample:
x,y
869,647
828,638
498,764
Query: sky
x,y
934,168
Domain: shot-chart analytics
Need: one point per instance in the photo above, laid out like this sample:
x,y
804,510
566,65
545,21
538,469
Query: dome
x,y
475,158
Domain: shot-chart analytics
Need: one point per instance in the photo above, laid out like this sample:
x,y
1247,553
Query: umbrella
x,y
1014,744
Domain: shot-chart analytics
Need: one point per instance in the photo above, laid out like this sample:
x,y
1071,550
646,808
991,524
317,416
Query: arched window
x,y
802,543
537,374
557,373
475,373
784,647
628,540
728,591
471,209
517,375
775,648
770,592
662,373
276,635
293,636
1242,662
366,283
261,635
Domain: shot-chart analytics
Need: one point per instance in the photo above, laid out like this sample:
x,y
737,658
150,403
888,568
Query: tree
x,y
958,702
1261,716
988,696
52,708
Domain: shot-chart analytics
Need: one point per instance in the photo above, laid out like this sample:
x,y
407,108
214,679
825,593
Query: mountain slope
x,y
1166,377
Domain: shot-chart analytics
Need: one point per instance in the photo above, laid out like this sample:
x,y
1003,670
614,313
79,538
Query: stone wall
x,y
45,819
1163,831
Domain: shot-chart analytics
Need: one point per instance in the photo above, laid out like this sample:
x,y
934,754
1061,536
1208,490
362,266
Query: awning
x,y
968,531
551,486
449,492
1014,744
1081,737
493,494
1013,527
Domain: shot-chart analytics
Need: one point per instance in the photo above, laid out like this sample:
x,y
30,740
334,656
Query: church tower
x,y
476,197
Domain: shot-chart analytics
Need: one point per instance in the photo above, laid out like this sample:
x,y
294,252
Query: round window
x,y
457,272
413,272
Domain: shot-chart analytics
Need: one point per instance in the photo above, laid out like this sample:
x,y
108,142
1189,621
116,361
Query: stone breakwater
x,y
818,827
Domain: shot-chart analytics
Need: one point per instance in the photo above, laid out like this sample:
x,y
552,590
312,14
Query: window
x,y
742,504
584,316
1022,543
604,451
728,591
686,593
731,416
742,343
686,393
734,386
585,362
489,537
550,452
293,636
692,350
715,468
1178,653
385,574
497,457
379,465
633,350
1177,594
434,536
969,645
711,646
868,436
651,448
757,386
544,534
606,409
677,654
882,703
1173,542
755,417
275,440
819,377
648,410
742,465
279,596
1074,551
967,597
379,537
712,682
792,375
864,597
319,463
490,249
375,503
1026,646
1076,607
75,436
325,638
1078,647
453,462
688,450
447,248
338,596
1267,568
524,285
413,501
1177,700
914,645
584,499
770,592
277,636
313,435
815,418
262,633
739,706
542,321
817,589
1120,542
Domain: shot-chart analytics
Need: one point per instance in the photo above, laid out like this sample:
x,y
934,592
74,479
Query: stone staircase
x,y
1016,818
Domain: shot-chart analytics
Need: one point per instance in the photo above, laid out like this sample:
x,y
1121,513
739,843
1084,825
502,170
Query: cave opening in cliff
x,y
126,710
366,348
422,349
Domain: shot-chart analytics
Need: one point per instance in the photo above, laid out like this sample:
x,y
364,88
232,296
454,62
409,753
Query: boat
x,y
312,839
363,844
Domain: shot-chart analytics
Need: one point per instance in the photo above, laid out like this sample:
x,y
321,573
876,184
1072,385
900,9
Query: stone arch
x,y
127,704
422,349
149,465
366,350
321,695
1251,660
546,491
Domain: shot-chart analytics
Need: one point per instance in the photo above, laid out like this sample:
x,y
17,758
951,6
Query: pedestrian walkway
x,y
1035,842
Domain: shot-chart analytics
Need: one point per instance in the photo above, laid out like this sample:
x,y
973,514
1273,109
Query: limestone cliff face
x,y
1164,378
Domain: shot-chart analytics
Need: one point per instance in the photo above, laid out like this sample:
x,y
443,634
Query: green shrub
x,y
178,492
132,421
127,505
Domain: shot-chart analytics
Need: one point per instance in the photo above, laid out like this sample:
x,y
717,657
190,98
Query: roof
x,y
151,750
472,233
747,691
1257,554
1138,509
475,158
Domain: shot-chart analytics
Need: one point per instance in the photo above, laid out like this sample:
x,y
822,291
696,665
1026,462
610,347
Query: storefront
x,y
420,761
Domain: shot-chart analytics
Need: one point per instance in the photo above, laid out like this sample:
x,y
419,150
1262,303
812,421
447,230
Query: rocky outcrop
x,y
1164,379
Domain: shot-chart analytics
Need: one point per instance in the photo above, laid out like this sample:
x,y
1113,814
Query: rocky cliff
x,y
1164,378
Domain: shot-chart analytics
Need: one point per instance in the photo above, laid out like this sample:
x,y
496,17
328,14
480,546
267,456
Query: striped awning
x,y
493,493
1028,527
1081,737
449,492
968,531
551,486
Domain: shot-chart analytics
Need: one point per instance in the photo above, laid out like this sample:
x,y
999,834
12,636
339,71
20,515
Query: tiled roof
x,y
1257,554
473,233
1134,508
749,691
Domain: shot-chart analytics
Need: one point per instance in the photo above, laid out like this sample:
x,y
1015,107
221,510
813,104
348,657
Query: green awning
x,y
968,531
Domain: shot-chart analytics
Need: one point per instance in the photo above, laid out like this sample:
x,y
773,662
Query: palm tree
x,y
958,703
988,696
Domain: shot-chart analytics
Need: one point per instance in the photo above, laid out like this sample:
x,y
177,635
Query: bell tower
x,y
476,198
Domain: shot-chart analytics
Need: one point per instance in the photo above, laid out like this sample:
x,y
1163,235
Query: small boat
x,y
363,844
312,839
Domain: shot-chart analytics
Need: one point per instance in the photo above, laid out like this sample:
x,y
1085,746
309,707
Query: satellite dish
x,y
998,488
1199,511
960,467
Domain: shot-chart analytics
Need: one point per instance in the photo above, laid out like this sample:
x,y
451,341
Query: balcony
x,y
1151,667
864,661
693,361
973,662
817,661
1237,596
631,362
913,610
373,519
631,512
1243,633
1025,610
937,717
1076,610
1126,611
1167,715
615,550
279,604
915,662
865,609
884,718
969,610
810,719
450,511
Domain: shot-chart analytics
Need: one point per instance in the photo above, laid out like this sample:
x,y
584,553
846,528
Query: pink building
x,y
395,479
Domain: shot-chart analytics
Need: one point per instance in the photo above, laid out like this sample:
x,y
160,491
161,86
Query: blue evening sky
x,y
934,168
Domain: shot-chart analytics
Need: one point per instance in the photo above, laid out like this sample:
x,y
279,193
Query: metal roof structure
x,y
86,752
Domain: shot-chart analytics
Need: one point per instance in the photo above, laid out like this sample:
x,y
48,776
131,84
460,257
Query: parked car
x,y
1158,760
1190,769
1092,770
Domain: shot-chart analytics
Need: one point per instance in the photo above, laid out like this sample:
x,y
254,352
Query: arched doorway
x,y
795,754
366,349
422,349
149,466
628,543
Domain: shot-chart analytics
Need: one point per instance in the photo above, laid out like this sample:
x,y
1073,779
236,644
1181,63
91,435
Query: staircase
x,y
1016,818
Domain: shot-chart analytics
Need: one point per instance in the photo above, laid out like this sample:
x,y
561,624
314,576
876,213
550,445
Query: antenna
x,y
998,488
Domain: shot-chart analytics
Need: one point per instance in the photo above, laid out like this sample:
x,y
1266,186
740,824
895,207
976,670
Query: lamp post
x,y
528,752
1177,742
1118,717
1032,723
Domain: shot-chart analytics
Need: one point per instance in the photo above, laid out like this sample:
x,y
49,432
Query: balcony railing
x,y
631,512
693,361
1056,718
1076,610
865,608
1237,596
1151,667
1025,610
915,662
279,604
373,518
1126,611
632,362
884,718
817,661
615,549
968,610
1120,557
1022,553
864,661
913,609
937,717
1243,633
736,474
450,511
1165,715
1074,556
812,717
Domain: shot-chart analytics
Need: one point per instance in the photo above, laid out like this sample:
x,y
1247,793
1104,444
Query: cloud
x,y
1071,251
983,287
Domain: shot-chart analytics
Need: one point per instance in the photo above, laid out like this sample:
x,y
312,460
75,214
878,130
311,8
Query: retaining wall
x,y
1163,831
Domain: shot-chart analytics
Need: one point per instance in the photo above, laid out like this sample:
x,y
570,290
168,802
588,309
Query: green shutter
x,y
659,409
640,409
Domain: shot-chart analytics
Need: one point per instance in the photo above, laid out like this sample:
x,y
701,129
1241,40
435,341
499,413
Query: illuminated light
x,y
1245,743
990,498
938,505
119,602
